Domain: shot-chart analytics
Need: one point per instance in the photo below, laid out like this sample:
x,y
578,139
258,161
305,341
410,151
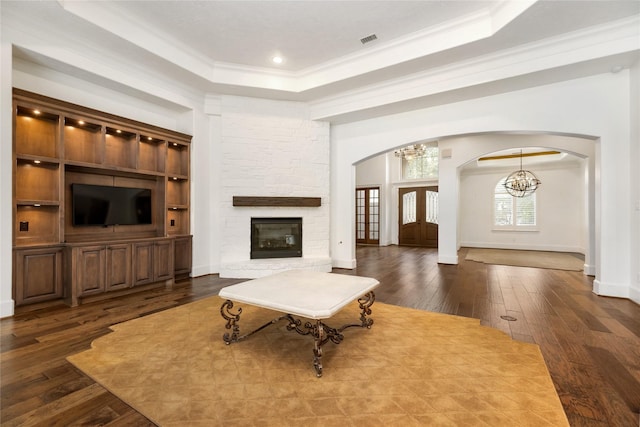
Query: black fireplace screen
x,y
276,237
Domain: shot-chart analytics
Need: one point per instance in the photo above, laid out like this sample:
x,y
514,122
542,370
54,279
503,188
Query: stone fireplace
x,y
276,238
274,162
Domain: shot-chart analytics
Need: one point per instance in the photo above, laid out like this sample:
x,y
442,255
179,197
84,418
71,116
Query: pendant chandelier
x,y
521,183
411,151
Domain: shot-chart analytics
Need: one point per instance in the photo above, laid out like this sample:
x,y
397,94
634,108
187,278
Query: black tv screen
x,y
105,205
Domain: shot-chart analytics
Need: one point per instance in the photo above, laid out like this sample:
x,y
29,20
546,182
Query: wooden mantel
x,y
306,202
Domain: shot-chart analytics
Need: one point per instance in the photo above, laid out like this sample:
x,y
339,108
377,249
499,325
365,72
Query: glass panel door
x,y
368,215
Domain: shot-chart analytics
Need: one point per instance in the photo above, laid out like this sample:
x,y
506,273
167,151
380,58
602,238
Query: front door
x,y
418,217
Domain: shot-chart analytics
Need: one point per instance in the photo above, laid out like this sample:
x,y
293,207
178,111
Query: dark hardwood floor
x,y
591,344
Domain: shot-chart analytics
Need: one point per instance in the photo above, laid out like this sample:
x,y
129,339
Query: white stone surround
x,y
272,149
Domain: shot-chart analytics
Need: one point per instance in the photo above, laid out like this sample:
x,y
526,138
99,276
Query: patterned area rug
x,y
537,259
412,368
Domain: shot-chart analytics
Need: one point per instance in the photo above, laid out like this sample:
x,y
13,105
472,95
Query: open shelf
x,y
38,181
178,159
177,192
37,132
120,148
37,225
177,221
82,141
151,154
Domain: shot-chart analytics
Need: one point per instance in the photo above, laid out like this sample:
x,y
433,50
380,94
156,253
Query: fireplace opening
x,y
276,238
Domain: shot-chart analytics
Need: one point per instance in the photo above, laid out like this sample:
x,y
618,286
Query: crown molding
x,y
593,43
111,18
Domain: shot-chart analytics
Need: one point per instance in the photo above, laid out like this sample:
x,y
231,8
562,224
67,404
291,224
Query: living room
x,y
230,132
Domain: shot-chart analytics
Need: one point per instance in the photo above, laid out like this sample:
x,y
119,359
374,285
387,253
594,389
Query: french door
x,y
418,217
368,215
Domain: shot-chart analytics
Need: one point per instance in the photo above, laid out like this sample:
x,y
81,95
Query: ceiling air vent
x,y
368,39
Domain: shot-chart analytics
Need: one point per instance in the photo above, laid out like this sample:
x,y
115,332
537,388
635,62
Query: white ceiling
x,y
311,34
223,47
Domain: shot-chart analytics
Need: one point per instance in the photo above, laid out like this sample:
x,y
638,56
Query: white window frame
x,y
514,206
433,177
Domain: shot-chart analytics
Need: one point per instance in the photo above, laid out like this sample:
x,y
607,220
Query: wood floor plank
x,y
618,376
591,344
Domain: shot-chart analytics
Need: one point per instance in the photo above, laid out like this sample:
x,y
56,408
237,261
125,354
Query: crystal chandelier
x,y
521,183
411,151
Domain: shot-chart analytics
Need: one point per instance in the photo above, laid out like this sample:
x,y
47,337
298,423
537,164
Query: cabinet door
x,y
182,258
143,263
118,267
90,270
38,275
163,260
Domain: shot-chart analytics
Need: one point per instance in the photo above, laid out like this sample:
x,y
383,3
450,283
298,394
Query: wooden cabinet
x,y
118,267
143,265
37,275
98,269
182,258
56,145
153,261
163,261
88,275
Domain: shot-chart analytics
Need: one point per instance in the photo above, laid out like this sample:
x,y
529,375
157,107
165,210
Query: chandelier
x,y
521,183
411,151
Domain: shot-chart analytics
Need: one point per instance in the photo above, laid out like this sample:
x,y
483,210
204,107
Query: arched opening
x,y
566,200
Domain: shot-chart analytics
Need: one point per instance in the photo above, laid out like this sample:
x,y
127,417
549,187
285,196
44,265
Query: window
x,y
513,212
423,166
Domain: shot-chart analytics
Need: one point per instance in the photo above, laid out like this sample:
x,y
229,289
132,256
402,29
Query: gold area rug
x,y
412,368
537,259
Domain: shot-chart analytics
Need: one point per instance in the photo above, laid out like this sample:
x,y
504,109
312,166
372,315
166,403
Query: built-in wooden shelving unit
x,y
57,144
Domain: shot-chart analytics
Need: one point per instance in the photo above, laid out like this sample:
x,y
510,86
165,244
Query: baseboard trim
x,y
444,259
7,308
609,290
347,264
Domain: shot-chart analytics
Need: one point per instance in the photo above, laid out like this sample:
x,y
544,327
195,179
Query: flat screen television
x,y
105,205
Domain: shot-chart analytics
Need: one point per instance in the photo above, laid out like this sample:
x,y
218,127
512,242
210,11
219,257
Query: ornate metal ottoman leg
x,y
318,335
366,301
231,319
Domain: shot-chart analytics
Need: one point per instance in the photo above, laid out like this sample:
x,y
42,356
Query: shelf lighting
x,y
37,205
36,112
118,131
175,144
80,122
175,178
37,162
149,138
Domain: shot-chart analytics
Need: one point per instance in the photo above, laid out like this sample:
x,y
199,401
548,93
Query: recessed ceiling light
x,y
277,59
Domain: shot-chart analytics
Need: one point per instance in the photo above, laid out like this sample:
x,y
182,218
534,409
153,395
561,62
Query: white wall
x,y
596,106
634,160
271,148
6,173
560,220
